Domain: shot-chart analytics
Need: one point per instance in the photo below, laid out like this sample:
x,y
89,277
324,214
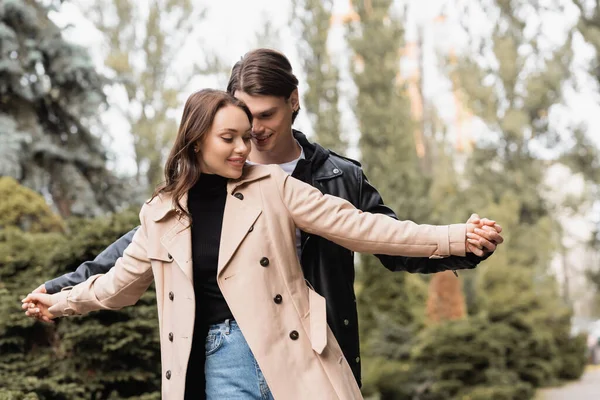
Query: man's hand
x,y
36,305
483,235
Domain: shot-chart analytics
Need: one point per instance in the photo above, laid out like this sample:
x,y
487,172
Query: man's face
x,y
272,124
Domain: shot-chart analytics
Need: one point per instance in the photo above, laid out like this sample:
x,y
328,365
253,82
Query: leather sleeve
x,y
121,286
370,201
100,265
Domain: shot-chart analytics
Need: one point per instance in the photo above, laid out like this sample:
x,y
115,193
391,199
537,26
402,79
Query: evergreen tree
x,y
110,354
584,156
589,27
468,359
50,95
313,18
515,108
391,306
513,95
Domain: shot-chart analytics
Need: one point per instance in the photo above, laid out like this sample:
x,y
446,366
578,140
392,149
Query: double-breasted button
x,y
357,359
170,336
264,261
169,256
168,374
171,296
346,322
294,335
239,196
278,299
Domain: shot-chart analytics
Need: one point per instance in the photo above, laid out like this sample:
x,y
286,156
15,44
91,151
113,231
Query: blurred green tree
x,y
313,18
146,53
584,156
391,306
467,359
512,91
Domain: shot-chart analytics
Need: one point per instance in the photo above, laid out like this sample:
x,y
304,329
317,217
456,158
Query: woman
x,y
218,238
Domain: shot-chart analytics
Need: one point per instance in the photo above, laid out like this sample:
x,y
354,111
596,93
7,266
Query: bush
x,y
573,358
467,358
105,355
25,209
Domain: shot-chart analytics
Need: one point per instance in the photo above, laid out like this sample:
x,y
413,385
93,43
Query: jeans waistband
x,y
225,326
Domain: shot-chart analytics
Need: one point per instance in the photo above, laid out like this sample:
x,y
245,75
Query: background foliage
x,y
498,332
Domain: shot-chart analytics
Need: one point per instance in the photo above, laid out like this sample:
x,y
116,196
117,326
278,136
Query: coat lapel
x,y
238,217
237,220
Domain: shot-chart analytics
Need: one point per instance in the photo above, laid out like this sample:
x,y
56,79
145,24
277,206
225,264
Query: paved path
x,y
587,388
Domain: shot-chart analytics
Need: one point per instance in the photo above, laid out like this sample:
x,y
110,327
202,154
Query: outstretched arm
x,y
338,220
121,286
371,201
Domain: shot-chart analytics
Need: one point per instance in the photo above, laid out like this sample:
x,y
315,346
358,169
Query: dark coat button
x,y
251,228
169,256
170,336
294,335
239,196
264,261
278,299
168,374
171,296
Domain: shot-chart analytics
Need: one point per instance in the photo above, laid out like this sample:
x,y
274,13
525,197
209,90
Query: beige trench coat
x,y
291,341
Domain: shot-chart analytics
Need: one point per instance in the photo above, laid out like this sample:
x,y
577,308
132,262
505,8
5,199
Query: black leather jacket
x,y
329,268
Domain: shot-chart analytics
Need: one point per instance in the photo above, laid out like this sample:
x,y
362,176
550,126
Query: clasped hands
x,y
483,235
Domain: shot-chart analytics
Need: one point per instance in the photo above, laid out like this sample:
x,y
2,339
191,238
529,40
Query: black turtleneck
x,y
206,204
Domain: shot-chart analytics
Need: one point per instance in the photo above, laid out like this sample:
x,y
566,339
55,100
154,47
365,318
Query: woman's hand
x,y
37,305
483,235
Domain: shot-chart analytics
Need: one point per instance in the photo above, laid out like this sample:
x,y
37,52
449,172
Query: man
x,y
264,80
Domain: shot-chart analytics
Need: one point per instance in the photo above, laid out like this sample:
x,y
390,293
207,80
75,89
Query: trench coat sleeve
x,y
100,265
339,221
121,286
370,201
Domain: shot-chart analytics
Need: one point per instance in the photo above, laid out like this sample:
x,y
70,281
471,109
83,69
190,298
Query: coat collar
x,y
237,219
251,173
321,164
163,205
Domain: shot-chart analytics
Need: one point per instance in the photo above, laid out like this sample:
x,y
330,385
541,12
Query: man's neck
x,y
287,151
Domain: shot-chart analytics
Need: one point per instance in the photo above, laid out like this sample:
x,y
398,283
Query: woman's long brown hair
x,y
182,169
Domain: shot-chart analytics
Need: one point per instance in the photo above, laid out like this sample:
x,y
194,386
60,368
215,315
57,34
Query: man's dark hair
x,y
264,72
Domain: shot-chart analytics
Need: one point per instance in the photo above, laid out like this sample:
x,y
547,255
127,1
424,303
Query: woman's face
x,y
225,147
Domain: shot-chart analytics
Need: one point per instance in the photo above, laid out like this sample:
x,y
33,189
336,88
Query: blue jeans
x,y
231,370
